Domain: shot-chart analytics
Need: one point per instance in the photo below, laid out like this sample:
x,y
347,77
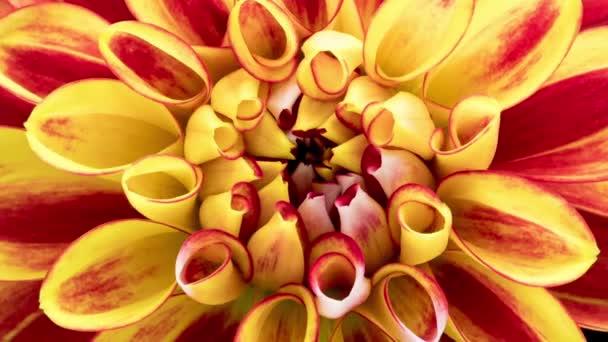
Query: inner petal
x,y
284,322
337,277
205,262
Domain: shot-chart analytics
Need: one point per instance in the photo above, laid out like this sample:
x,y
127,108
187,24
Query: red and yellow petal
x,y
111,10
484,306
355,16
275,191
315,215
544,244
355,326
267,140
360,93
349,154
313,113
128,278
311,16
595,13
15,110
222,174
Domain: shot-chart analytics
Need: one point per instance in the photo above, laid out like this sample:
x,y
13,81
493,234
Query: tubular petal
x,y
275,191
270,170
213,267
288,315
155,63
360,93
330,58
57,34
330,190
595,12
315,215
77,129
420,221
283,98
311,16
263,39
364,220
277,249
508,51
221,174
349,154
337,274
242,98
164,188
546,244
525,313
336,131
349,179
43,209
355,15
268,140
128,281
313,113
356,327
472,136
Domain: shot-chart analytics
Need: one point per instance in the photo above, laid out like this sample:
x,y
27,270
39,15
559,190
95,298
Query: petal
x,y
54,34
588,196
213,267
355,326
315,215
221,174
595,13
275,191
264,39
155,63
220,61
128,280
77,129
311,16
111,10
282,236
313,113
472,137
360,93
337,274
543,244
355,16
349,179
43,209
364,220
288,315
402,121
330,58
268,140
6,7
508,51
525,313
348,154
164,188
270,170
420,221
15,110
395,52
422,317
283,99
336,130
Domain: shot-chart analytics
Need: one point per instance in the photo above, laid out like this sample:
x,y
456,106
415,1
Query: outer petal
x,y
15,110
311,16
111,10
396,52
525,313
128,280
543,244
43,209
595,13
221,174
59,35
509,50
77,129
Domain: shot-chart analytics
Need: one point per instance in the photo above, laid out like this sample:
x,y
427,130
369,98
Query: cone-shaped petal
x,y
355,326
128,280
15,110
337,274
471,139
361,92
270,170
155,63
313,113
48,45
268,140
349,154
479,298
364,220
111,10
403,121
595,13
43,209
395,52
275,191
77,129
330,58
508,51
263,39
422,317
277,249
221,174
283,99
311,16
315,215
336,130
213,267
545,244
288,315
164,188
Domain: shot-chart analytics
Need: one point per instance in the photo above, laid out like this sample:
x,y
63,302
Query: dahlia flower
x,y
291,170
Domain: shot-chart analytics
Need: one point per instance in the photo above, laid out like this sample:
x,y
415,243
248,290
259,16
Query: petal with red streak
x,y
595,13
111,10
312,16
15,111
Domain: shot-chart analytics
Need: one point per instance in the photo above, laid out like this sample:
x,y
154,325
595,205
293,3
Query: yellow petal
x,y
270,170
275,191
336,130
221,174
348,155
268,140
311,16
356,325
313,113
361,92
220,61
355,15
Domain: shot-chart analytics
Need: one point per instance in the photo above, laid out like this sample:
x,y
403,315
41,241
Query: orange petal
x,y
349,154
360,93
128,281
355,326
77,129
544,244
479,298
315,215
48,45
42,209
221,174
311,16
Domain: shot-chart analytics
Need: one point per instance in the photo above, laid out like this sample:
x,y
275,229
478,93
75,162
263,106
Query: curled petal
x,y
355,15
239,208
361,92
209,137
61,35
288,315
277,249
164,188
403,121
77,129
472,137
544,244
313,113
348,154
337,274
420,221
395,52
349,179
315,215
330,58
508,51
268,140
336,130
155,63
330,190
242,98
270,170
128,281
213,267
525,313
275,191
221,174
311,16
263,39
356,326
364,220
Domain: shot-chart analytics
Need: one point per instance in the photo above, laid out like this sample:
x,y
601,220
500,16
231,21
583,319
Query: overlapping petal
x,y
355,16
311,16
315,215
595,13
355,326
111,10
361,92
221,174
15,110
